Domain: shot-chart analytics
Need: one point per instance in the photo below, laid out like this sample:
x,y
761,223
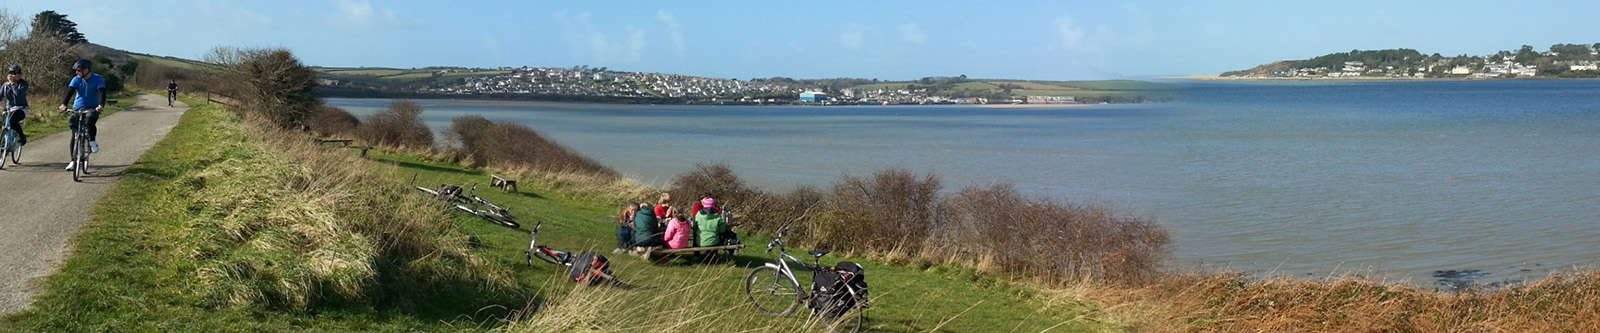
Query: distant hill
x,y
1559,60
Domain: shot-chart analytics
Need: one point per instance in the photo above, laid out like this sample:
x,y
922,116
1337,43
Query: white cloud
x,y
586,41
912,33
1069,34
362,11
852,37
674,32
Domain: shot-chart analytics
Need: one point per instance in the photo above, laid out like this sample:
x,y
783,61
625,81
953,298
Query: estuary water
x,y
1406,180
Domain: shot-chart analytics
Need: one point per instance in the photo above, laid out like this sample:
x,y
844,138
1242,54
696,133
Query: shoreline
x,y
537,102
1372,79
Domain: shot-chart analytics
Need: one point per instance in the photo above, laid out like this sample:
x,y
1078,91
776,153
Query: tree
x,y
1526,54
51,23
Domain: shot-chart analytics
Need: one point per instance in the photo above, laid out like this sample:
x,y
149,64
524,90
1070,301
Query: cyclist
x,y
172,91
15,94
86,91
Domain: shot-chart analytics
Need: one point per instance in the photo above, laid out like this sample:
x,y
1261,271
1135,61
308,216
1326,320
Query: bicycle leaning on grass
x,y
838,294
585,268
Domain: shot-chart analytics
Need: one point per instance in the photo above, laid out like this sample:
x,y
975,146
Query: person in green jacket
x,y
710,223
646,233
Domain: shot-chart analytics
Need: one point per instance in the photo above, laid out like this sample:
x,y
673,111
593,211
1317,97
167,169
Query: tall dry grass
x,y
676,306
283,224
1213,302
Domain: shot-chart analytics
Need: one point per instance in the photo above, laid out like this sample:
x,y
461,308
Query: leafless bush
x,y
400,126
892,211
332,121
717,180
516,146
272,83
998,230
44,62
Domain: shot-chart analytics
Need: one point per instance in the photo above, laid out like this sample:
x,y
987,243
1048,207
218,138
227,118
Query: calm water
x,y
1400,179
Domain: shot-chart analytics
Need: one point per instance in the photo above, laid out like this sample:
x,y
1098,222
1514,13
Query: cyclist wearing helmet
x,y
86,91
15,94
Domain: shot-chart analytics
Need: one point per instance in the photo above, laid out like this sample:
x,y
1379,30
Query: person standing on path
x,y
15,95
86,91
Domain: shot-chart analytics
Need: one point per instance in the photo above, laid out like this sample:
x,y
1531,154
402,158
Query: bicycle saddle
x,y
819,253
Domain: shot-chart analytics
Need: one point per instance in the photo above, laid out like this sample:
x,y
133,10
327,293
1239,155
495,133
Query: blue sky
x,y
812,39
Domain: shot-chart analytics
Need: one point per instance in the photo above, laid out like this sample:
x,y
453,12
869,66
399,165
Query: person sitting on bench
x,y
646,233
711,223
679,233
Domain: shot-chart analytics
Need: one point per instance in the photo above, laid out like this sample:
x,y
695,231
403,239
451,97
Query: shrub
x,y
399,126
270,83
718,180
334,121
891,211
996,229
516,146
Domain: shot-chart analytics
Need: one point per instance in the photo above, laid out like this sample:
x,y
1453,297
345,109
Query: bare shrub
x,y
998,230
272,83
893,210
466,133
717,180
399,126
332,121
518,147
44,63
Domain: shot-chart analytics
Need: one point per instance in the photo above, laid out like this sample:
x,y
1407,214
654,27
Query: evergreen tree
x,y
57,25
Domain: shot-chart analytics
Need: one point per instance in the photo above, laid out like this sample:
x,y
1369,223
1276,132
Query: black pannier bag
x,y
589,269
829,296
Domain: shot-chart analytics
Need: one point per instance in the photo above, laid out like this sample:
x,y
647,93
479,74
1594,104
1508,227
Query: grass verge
x,y
161,254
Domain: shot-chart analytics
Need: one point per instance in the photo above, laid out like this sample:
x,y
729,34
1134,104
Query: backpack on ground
x,y
590,269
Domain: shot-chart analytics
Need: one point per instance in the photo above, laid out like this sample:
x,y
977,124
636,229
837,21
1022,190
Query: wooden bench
x,y
662,254
340,142
503,183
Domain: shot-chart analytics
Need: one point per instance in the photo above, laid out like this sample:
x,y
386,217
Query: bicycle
x,y
464,200
10,139
79,149
586,268
774,291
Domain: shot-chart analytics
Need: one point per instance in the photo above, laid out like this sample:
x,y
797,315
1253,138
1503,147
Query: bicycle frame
x,y
782,264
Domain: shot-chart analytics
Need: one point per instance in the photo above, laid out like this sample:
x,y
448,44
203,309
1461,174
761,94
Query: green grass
x,y
127,274
44,119
907,298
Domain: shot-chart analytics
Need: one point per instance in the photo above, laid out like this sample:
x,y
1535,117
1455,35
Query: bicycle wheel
x,y
546,254
772,292
77,157
500,220
7,145
852,321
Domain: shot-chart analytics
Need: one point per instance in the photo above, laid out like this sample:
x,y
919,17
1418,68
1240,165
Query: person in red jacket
x,y
663,205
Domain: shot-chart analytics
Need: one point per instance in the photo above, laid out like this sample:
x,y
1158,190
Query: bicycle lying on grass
x,y
585,268
838,294
469,202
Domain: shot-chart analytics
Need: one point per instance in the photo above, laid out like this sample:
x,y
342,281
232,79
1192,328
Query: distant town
x,y
600,84
1559,61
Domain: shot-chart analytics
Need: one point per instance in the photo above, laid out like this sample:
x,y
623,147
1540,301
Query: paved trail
x,y
41,208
